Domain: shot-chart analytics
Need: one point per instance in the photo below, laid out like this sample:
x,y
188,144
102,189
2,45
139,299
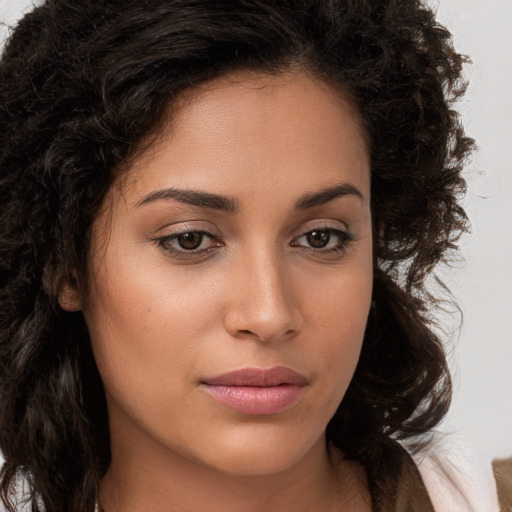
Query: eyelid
x,y
324,224
186,227
331,225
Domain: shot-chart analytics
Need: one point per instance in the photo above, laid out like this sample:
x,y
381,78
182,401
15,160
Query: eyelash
x,y
345,238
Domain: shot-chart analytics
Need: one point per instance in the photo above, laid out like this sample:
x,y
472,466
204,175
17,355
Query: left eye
x,y
324,239
189,242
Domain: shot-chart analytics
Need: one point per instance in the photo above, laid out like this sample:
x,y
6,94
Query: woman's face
x,y
231,275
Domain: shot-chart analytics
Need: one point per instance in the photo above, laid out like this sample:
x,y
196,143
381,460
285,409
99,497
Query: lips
x,y
259,377
256,390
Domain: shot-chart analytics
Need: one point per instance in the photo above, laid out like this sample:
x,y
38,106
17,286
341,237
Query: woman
x,y
217,222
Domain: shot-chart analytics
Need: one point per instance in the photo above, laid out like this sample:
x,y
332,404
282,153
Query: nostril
x,y
262,337
251,334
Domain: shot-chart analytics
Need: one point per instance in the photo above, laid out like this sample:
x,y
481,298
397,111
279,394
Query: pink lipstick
x,y
256,390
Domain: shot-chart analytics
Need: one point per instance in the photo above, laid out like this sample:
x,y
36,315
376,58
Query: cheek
x,y
337,317
339,300
155,330
145,320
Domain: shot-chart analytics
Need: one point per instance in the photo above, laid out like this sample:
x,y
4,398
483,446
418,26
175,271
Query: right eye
x,y
189,243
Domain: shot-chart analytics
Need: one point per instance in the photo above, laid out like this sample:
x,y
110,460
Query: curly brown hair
x,y
83,82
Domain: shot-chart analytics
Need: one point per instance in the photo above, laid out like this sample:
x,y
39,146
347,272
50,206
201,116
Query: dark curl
x,y
83,82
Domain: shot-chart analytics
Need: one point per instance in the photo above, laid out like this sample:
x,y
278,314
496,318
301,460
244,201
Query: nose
x,y
263,303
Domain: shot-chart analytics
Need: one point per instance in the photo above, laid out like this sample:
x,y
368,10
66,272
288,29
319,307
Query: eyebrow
x,y
193,197
230,204
327,194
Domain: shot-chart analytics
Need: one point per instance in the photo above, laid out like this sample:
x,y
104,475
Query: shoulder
x,y
456,478
20,488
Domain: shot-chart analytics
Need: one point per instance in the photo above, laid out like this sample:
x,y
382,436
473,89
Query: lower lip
x,y
256,400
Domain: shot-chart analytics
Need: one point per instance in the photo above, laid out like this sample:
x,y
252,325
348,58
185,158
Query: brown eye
x,y
318,239
190,241
328,242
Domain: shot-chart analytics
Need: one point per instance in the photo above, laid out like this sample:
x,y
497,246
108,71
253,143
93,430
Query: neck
x,y
144,479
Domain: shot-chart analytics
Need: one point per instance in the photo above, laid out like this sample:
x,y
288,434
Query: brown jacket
x,y
503,473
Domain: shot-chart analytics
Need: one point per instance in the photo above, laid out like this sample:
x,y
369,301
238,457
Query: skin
x,y
257,296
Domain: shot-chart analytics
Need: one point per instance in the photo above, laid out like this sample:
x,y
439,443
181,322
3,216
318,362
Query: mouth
x,y
257,391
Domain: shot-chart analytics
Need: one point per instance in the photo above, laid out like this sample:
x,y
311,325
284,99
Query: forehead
x,y
266,128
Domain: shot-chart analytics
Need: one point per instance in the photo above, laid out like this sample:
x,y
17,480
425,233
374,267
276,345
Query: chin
x,y
245,465
264,454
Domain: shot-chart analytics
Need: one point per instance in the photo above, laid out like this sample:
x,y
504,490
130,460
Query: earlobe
x,y
69,298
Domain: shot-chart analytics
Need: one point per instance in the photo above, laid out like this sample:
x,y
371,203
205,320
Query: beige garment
x,y
456,478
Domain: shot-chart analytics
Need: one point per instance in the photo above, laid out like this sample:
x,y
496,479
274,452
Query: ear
x,y
69,297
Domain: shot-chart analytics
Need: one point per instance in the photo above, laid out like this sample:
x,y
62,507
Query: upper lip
x,y
258,377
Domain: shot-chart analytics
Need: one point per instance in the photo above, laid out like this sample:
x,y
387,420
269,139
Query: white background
x,y
481,358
